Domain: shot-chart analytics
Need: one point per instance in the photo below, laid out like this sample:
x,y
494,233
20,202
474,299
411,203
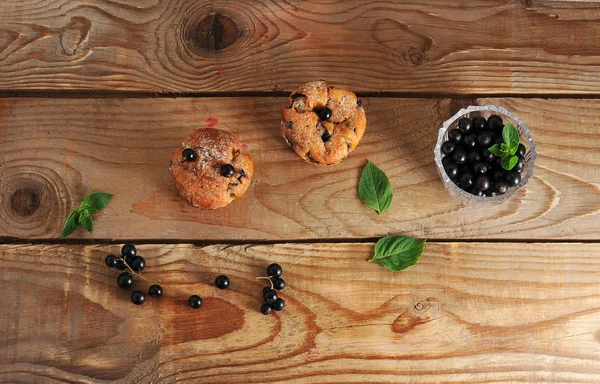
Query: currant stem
x,y
136,273
266,278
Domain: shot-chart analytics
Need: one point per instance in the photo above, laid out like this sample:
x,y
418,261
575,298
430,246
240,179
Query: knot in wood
x,y
420,306
25,201
212,33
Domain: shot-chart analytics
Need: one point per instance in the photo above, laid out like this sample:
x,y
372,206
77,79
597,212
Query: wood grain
x,y
460,47
56,151
493,312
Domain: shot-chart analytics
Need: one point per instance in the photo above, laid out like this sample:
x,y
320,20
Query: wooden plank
x,y
467,312
461,47
55,151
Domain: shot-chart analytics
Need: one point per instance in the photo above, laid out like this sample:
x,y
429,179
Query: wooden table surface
x,y
94,95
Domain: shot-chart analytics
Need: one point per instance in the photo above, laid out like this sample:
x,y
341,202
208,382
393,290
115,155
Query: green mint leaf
x,y
495,149
509,162
85,219
96,201
398,252
513,150
70,223
510,135
374,188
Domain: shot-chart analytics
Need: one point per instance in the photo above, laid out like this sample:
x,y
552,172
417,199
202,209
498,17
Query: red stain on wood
x,y
244,147
211,122
220,72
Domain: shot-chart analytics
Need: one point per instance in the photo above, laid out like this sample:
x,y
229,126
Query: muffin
x,y
210,170
323,124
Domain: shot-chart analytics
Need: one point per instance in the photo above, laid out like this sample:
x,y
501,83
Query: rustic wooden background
x,y
94,95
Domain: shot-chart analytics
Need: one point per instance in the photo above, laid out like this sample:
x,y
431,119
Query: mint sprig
x,y
374,188
82,215
506,151
398,252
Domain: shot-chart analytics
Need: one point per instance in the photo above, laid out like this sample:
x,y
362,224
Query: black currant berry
x,y
129,259
278,305
501,187
137,263
128,250
481,167
325,136
465,124
484,139
155,290
499,140
498,174
195,301
266,309
120,265
482,182
495,123
491,193
455,135
324,113
521,150
125,280
479,123
513,178
459,156
274,270
470,141
279,284
465,179
476,192
189,154
520,165
138,297
446,160
222,282
473,157
227,170
486,155
448,147
110,261
270,297
451,170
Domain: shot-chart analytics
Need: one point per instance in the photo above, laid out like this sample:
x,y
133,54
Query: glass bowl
x,y
485,111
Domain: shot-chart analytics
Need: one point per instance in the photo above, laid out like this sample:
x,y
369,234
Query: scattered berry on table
x,y
110,261
279,284
120,265
125,280
155,291
137,263
274,270
324,113
278,305
465,124
266,309
189,155
227,170
195,301
128,250
138,297
222,282
270,297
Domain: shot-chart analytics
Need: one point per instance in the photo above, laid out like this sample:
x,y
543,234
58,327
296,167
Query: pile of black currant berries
x,y
272,301
469,163
129,259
